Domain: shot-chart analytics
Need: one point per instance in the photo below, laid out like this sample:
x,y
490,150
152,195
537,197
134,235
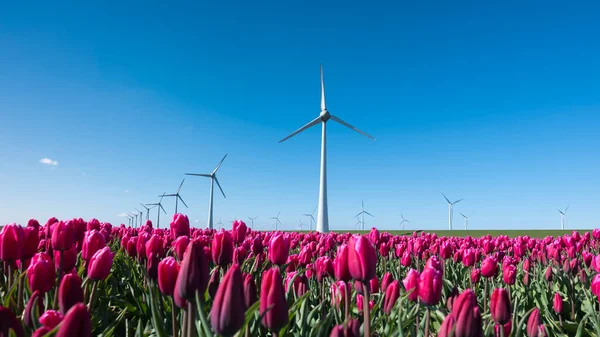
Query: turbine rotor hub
x,y
325,115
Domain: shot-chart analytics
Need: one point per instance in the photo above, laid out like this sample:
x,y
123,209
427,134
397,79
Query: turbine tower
x,y
134,216
450,212
466,221
213,179
311,218
363,212
140,213
276,218
252,221
324,116
563,214
159,206
177,196
128,218
403,220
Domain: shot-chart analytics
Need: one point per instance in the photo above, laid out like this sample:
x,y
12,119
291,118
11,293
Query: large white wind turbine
x,y
311,218
252,221
324,116
213,179
450,211
159,206
563,214
466,220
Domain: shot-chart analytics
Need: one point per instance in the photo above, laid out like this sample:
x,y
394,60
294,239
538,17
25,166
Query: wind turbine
x,y
466,220
403,220
311,218
134,216
324,116
213,179
159,206
220,224
129,218
363,212
140,213
147,211
177,196
450,212
301,226
276,218
252,221
563,214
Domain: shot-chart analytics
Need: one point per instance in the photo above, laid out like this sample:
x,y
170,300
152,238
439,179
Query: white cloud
x,y
126,191
48,161
196,221
122,214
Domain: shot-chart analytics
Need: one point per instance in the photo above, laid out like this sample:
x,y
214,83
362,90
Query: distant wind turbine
x,y
177,196
311,218
220,224
213,179
129,217
466,220
363,212
403,220
252,221
324,116
159,206
140,213
301,226
450,211
276,218
147,211
563,214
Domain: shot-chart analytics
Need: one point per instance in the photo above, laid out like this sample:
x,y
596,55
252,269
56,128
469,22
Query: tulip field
x,y
88,278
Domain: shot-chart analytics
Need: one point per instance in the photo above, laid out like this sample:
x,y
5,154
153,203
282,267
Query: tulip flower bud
x,y
250,295
509,274
475,275
360,303
465,311
69,258
11,242
228,311
77,322
549,274
9,322
506,327
70,292
63,236
193,273
51,318
213,282
374,285
167,275
451,297
36,299
411,284
500,308
351,330
386,280
392,294
279,249
340,264
338,294
447,327
31,241
557,304
41,274
154,246
100,264
362,258
533,323
180,226
180,244
222,248
152,266
489,267
92,242
239,231
273,306
595,286
430,286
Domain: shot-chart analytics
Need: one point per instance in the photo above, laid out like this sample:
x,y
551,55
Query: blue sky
x,y
495,103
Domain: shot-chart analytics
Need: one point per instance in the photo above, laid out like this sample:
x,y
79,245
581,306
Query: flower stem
x,y
191,328
92,295
20,291
184,323
427,314
347,303
500,330
60,272
366,310
173,316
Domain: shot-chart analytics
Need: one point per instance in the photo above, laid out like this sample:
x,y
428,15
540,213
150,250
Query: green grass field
x,y
480,233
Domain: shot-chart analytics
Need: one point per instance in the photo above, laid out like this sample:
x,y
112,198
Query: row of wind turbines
x,y
322,221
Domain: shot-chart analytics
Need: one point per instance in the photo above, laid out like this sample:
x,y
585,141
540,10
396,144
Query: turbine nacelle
x,y
325,115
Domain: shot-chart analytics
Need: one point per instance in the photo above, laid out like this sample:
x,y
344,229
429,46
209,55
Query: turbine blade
x,y
457,201
217,181
322,90
446,198
356,216
180,198
179,189
310,124
198,174
161,206
351,127
144,206
369,214
567,208
463,215
219,165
